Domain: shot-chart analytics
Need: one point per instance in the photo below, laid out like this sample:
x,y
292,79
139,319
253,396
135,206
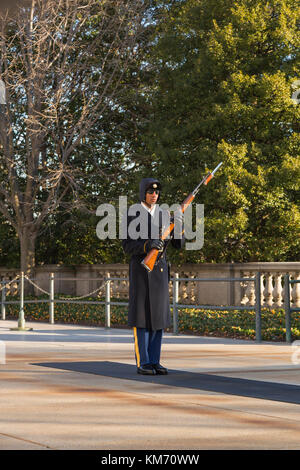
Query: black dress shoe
x,y
146,370
160,369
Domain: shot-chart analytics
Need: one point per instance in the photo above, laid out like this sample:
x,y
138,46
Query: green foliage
x,y
71,239
9,246
211,81
223,93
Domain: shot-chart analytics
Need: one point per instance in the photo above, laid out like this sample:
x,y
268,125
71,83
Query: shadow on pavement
x,y
176,378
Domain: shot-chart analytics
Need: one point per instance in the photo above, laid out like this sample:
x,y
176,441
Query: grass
x,y
238,324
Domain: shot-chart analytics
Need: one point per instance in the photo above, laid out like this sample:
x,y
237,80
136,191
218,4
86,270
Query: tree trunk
x,y
27,246
27,264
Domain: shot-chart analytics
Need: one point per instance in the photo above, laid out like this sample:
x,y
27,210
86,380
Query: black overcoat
x,y
149,305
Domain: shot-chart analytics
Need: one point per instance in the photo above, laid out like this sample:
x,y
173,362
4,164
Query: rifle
x,y
152,257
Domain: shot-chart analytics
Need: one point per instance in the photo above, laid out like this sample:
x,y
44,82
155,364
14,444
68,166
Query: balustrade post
x,y
182,289
268,290
190,289
296,291
277,292
244,287
250,292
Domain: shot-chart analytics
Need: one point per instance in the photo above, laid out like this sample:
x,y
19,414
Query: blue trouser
x,y
147,344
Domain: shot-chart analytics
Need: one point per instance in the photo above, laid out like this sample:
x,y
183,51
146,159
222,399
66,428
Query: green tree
x,y
222,92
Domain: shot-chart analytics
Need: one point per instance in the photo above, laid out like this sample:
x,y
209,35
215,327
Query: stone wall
x,y
83,279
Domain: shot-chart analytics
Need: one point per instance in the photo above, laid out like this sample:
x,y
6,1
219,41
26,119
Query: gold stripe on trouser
x,y
136,345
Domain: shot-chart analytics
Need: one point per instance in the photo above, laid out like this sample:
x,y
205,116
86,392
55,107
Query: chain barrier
x,y
86,295
68,298
35,285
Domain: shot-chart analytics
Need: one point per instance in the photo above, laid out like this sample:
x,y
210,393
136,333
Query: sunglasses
x,y
152,191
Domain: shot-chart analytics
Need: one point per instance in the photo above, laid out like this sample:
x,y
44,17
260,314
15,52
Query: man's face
x,y
152,196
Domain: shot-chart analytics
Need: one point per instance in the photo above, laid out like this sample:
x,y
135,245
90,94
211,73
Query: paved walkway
x,y
74,387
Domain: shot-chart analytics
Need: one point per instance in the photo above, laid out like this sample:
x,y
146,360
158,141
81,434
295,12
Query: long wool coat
x,y
149,305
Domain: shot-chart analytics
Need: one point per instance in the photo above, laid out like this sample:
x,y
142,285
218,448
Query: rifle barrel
x,y
217,167
151,258
207,178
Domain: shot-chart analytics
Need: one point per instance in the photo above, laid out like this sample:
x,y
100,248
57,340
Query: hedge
x,y
238,324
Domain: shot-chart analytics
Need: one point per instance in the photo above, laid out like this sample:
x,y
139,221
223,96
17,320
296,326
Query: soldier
x,y
149,309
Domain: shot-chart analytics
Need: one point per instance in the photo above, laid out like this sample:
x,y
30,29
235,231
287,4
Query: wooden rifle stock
x,y
150,259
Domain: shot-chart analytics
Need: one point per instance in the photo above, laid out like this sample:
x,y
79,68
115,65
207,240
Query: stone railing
x,y
238,293
82,279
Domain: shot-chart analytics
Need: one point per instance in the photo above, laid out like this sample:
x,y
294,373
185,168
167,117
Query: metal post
x,y
3,298
21,322
175,302
107,301
231,284
287,308
258,307
51,299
